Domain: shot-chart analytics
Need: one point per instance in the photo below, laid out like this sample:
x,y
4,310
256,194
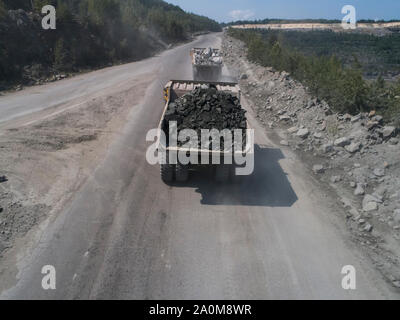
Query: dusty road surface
x,y
124,234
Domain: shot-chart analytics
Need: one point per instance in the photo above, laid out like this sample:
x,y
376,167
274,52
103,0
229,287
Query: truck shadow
x,y
267,186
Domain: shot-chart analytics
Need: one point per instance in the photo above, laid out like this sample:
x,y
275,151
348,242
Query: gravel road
x,y
126,235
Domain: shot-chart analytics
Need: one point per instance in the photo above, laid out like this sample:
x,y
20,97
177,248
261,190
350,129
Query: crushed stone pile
x,y
207,56
207,108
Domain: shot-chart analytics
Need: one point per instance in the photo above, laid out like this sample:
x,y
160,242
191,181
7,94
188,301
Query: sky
x,y
230,10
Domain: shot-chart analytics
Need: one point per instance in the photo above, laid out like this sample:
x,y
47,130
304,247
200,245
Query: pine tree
x,y
62,59
3,11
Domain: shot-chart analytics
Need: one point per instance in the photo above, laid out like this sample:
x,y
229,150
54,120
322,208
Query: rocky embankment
x,y
356,156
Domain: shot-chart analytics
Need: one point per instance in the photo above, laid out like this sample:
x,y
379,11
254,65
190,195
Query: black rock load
x,y
207,108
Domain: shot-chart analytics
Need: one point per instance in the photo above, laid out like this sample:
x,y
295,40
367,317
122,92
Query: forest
x,y
378,55
89,34
289,21
336,79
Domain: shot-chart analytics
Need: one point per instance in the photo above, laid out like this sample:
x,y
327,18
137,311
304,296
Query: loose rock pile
x,y
207,108
207,56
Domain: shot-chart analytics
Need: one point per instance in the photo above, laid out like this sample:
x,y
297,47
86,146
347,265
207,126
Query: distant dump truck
x,y
207,64
227,113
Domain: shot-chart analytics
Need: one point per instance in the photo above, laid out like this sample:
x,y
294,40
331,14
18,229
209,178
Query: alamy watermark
x,y
349,21
204,148
49,20
49,280
349,279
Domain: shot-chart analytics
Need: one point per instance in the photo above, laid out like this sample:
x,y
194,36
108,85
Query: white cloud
x,y
241,14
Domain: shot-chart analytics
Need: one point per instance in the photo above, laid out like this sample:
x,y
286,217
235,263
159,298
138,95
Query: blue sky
x,y
228,10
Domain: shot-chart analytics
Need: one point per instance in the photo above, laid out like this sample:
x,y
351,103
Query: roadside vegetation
x,y
328,73
376,55
89,34
293,21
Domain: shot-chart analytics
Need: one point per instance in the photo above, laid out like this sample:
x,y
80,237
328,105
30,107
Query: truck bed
x,y
206,69
196,51
177,88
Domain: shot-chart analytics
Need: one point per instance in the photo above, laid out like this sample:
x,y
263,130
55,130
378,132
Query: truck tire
x,y
181,173
167,172
222,173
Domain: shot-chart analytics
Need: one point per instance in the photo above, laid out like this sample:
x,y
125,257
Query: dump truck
x,y
207,64
173,90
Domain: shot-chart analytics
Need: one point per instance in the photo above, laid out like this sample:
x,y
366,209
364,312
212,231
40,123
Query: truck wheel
x,y
222,173
167,173
182,173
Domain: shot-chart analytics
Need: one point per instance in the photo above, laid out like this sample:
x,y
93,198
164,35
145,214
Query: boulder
x,y
359,190
335,179
368,227
284,118
303,133
284,143
388,131
310,104
342,142
323,126
371,124
355,118
378,119
326,148
318,135
370,203
370,197
353,147
347,117
370,206
379,172
293,130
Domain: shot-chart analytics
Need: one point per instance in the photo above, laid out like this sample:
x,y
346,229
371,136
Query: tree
x,y
90,33
355,92
3,11
62,56
39,4
257,49
102,12
380,82
175,30
17,4
63,12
